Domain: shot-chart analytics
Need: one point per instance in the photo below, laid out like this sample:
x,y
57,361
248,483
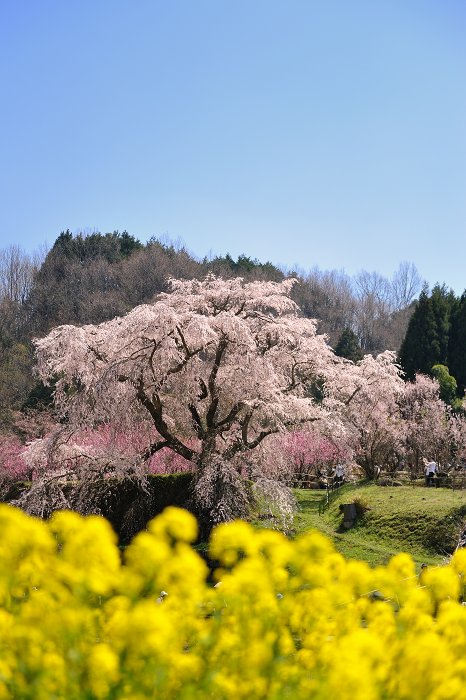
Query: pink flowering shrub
x,y
109,439
12,465
296,456
107,449
168,462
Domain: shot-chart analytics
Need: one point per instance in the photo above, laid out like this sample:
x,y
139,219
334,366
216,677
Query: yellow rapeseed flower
x,y
290,619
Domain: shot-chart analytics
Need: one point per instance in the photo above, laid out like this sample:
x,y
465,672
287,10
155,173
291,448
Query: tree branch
x,y
152,449
155,410
350,398
197,421
230,417
203,393
222,346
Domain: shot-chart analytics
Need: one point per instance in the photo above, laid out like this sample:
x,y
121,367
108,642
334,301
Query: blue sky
x,y
328,134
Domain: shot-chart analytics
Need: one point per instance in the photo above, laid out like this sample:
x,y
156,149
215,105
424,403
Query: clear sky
x,y
325,133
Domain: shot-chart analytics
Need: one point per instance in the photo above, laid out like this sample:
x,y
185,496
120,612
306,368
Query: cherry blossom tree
x,y
371,395
298,456
211,369
431,429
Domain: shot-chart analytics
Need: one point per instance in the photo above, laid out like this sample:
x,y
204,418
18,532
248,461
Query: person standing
x,y
339,475
430,469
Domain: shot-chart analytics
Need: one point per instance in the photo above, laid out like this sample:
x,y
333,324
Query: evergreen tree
x,y
457,343
443,303
128,244
426,340
84,247
414,355
348,346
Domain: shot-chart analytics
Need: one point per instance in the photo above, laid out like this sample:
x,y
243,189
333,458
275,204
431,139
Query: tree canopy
x,y
213,371
427,336
348,346
214,366
457,343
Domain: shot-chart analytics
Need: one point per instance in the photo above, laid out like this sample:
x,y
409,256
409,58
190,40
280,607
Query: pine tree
x,y
443,303
426,340
348,346
457,343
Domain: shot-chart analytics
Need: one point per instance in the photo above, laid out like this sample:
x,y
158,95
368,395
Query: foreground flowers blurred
x,y
290,619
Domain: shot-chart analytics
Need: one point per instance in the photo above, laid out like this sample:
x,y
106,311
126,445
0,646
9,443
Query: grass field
x,y
425,522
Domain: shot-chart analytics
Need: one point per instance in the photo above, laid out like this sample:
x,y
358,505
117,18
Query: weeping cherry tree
x,y
213,368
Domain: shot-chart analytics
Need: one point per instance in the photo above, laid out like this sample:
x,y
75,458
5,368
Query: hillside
x,y
88,279
423,522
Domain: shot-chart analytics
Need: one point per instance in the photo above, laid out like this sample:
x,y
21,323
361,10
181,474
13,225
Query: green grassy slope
x,y
423,522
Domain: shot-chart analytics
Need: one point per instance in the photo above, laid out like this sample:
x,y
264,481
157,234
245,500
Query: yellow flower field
x,y
290,619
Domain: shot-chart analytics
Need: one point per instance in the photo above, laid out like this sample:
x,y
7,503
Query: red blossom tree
x,y
12,464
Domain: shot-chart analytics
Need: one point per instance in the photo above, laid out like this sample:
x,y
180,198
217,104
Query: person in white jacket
x,y
430,469
339,474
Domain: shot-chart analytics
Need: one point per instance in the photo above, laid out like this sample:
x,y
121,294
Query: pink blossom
x,y
12,464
